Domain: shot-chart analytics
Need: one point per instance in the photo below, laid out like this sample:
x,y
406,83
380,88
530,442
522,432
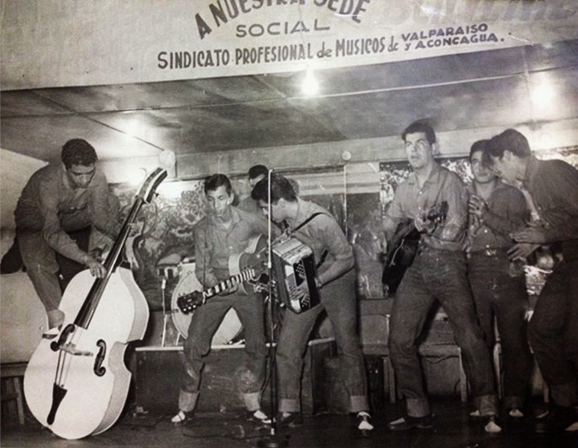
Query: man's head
x,y
507,154
283,196
219,194
79,157
420,144
256,173
483,174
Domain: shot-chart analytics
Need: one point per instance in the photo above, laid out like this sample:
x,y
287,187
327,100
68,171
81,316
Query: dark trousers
x,y
438,274
338,299
553,329
503,297
204,324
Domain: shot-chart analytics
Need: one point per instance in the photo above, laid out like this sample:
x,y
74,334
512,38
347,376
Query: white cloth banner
x,y
53,43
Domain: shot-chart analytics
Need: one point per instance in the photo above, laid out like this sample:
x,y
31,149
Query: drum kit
x,y
170,269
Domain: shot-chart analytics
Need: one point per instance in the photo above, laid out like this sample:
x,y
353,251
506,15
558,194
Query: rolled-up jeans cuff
x,y
358,403
417,407
487,404
188,400
252,401
288,405
564,394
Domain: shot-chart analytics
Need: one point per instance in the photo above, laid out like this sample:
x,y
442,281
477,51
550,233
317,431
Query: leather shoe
x,y
409,422
258,416
182,418
558,419
364,425
289,419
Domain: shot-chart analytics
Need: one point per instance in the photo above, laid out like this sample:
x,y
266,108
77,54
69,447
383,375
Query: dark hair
x,y
420,126
479,146
217,180
509,140
258,170
281,188
78,152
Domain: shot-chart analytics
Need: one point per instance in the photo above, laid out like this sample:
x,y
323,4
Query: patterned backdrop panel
x,y
166,241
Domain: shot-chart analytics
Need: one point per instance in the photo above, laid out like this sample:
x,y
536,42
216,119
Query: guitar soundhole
x,y
99,369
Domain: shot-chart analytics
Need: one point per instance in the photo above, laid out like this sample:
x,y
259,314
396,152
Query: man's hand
x,y
521,250
532,234
96,269
423,224
476,206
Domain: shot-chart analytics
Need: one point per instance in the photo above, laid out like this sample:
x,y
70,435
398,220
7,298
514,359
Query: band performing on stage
x,y
261,272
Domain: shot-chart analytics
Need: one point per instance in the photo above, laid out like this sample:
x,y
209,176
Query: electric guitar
x,y
243,268
403,247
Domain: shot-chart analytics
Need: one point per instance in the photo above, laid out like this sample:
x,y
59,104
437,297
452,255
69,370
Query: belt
x,y
489,252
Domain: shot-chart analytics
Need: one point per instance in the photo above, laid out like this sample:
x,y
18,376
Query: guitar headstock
x,y
189,302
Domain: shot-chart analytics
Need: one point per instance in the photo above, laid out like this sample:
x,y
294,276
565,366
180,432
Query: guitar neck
x,y
225,285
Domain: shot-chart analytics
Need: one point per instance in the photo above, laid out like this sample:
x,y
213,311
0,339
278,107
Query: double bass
x,y
76,384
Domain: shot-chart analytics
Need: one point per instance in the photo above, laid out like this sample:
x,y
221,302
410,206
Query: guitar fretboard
x,y
243,276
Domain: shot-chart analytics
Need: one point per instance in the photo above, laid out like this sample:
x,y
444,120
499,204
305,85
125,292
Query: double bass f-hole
x,y
99,370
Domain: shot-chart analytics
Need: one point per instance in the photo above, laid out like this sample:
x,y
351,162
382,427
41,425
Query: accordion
x,y
294,267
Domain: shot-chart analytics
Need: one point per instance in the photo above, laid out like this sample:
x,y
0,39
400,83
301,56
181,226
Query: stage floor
x,y
452,429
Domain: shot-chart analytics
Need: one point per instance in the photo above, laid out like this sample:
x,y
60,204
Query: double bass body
x,y
90,367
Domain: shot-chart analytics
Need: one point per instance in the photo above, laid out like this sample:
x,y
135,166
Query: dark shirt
x,y
215,244
553,186
48,199
507,212
410,200
322,234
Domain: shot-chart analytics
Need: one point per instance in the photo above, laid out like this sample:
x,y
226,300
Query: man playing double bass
x,y
225,231
57,199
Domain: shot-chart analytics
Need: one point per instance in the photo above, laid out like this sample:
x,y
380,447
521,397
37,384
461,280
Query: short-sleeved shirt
x,y
507,212
215,244
322,234
553,186
410,201
48,198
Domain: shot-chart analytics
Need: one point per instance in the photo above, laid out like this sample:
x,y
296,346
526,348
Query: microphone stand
x,y
273,440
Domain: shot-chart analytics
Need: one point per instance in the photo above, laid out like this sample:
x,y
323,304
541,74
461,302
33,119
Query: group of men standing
x,y
469,262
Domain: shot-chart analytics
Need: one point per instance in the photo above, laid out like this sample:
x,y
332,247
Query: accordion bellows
x,y
294,271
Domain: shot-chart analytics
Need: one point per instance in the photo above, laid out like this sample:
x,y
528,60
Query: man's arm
x,y
57,238
203,269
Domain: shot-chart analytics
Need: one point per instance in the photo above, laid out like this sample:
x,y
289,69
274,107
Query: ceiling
x,y
456,92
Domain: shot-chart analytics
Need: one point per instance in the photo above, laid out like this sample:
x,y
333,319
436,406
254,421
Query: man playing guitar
x,y
225,231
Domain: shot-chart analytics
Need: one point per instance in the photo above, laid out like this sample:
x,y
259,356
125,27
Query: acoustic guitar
x,y
403,247
244,269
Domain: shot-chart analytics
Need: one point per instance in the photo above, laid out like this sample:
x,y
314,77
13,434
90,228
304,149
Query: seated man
x,y
60,198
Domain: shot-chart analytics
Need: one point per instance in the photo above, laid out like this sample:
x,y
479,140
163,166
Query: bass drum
x,y
230,328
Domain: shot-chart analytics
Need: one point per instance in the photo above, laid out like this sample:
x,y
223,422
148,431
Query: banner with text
x,y
57,43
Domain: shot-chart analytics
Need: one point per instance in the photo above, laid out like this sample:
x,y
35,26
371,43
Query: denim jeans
x,y
339,300
438,274
498,294
553,330
204,323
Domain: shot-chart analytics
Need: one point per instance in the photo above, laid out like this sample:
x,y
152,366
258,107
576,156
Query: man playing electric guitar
x,y
225,231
